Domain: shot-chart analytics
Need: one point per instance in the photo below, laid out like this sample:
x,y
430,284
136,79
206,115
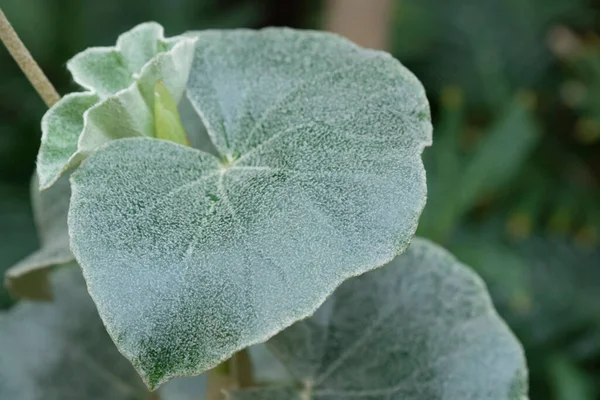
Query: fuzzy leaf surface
x,y
421,327
191,257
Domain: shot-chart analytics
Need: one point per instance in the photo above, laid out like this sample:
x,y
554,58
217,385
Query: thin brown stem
x,y
32,71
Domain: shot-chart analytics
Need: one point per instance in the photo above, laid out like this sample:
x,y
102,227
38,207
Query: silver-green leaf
x,y
191,257
422,327
28,278
120,100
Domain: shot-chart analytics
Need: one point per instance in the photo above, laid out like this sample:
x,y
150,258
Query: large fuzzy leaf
x,y
28,278
422,327
120,101
191,257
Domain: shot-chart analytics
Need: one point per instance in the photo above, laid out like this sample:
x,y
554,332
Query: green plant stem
x,y
154,396
242,369
235,373
30,68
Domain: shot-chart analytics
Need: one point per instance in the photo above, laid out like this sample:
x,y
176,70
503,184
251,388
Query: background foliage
x,y
513,174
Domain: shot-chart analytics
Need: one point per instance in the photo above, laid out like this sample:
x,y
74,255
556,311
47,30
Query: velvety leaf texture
x,y
422,327
28,278
120,101
191,257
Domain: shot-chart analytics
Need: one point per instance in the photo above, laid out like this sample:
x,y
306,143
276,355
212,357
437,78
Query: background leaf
x,y
28,278
18,237
422,327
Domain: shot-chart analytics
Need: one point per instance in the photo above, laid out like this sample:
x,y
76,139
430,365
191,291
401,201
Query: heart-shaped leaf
x,y
28,278
61,351
192,257
422,327
120,102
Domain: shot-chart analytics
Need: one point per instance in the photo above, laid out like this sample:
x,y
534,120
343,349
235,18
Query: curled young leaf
x,y
191,257
422,327
120,102
166,116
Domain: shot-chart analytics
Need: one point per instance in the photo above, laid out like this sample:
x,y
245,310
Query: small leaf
x,y
167,121
422,327
318,178
121,101
107,70
61,128
28,278
19,235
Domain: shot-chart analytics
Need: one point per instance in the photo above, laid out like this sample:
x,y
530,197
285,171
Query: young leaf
x,y
28,278
61,128
121,102
422,327
192,257
166,117
108,70
19,234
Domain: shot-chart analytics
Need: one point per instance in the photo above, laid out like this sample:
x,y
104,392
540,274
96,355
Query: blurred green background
x,y
513,174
